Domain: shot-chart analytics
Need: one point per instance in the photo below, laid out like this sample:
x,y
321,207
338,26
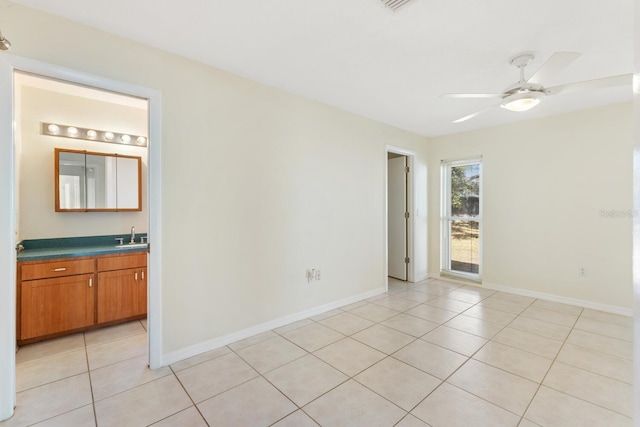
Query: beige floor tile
x,y
511,359
555,409
271,354
492,315
349,356
313,337
410,325
502,305
467,296
384,339
122,376
143,405
51,347
417,296
347,323
398,382
527,341
215,376
611,346
189,417
297,419
608,393
539,327
144,324
597,362
50,400
399,304
603,328
111,333
555,317
49,369
351,404
255,339
527,423
411,421
430,358
456,340
450,406
479,327
477,290
305,379
374,312
601,316
200,358
432,289
252,404
518,299
556,306
81,417
354,305
293,326
116,351
501,388
449,304
431,313
326,315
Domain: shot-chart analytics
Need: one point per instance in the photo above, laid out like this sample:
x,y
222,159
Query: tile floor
x,y
426,354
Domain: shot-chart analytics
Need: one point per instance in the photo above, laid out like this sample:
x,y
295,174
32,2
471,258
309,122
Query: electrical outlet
x,y
582,272
317,275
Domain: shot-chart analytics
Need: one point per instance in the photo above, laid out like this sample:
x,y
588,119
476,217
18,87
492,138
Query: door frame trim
x,y
411,197
8,64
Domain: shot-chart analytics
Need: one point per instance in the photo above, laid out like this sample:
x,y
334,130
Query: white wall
x,y
547,185
258,185
37,218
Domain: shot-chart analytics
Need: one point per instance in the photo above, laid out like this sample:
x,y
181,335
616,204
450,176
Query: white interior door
x,y
397,222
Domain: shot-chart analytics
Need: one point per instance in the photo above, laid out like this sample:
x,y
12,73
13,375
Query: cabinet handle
x,y
60,269
136,275
90,281
142,273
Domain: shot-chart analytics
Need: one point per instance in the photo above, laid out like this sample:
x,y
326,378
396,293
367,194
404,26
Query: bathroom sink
x,y
132,245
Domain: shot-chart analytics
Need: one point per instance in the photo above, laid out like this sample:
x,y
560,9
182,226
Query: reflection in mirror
x,y
87,181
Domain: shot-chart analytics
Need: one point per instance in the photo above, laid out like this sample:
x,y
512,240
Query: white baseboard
x,y
194,350
547,297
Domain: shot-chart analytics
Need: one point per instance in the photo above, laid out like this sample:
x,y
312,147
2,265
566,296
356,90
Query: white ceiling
x,y
359,56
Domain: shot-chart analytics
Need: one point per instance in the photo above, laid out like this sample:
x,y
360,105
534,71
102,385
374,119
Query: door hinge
x,y
407,260
406,169
406,214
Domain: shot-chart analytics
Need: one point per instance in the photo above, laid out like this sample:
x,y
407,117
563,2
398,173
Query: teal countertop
x,y
41,249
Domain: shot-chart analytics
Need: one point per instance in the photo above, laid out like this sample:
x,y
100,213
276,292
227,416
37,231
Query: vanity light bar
x,y
54,129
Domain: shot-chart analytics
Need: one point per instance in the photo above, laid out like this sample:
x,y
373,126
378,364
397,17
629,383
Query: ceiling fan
x,y
528,93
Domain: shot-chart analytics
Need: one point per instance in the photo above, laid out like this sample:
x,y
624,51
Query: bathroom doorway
x,y
10,148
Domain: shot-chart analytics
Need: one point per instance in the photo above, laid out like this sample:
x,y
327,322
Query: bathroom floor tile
x,y
350,356
305,379
453,407
430,358
48,348
104,354
297,419
351,404
189,417
254,403
45,370
411,421
81,417
112,333
384,339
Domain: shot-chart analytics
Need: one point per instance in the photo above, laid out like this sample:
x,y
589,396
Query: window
x,y
461,218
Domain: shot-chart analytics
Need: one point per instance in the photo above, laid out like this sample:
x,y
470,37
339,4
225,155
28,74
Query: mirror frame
x,y
85,153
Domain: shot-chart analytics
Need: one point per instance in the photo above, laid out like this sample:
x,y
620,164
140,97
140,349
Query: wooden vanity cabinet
x,y
122,287
73,294
55,297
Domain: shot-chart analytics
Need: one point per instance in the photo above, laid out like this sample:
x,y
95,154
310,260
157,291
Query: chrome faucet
x,y
133,235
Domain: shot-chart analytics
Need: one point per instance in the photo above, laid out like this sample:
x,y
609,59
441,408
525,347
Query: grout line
x,y
189,396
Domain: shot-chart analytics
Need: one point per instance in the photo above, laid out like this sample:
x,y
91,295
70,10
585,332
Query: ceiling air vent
x,y
395,4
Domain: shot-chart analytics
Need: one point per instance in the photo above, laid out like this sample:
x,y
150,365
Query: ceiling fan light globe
x,y
522,101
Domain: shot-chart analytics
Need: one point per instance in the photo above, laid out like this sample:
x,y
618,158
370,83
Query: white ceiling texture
x,y
387,65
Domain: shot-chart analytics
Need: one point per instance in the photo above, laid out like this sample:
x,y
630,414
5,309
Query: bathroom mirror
x,y
99,182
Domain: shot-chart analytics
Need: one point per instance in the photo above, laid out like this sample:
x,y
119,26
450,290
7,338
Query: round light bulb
x,y
72,131
125,138
141,140
92,133
53,128
108,136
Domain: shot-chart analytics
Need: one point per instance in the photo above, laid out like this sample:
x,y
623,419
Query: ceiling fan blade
x,y
472,115
556,63
471,95
621,80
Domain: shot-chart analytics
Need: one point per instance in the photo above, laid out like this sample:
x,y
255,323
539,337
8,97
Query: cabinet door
x,y
55,305
142,291
118,294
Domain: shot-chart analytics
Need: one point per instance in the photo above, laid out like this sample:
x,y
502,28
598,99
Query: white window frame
x,y
446,217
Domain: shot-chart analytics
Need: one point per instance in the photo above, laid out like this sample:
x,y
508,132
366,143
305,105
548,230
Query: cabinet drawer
x,y
57,268
122,262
